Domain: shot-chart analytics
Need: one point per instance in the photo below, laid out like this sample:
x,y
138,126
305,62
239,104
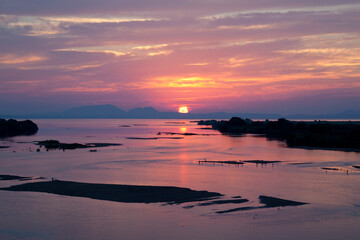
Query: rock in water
x,y
11,128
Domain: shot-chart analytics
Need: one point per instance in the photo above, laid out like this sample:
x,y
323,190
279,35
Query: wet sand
x,y
269,202
117,193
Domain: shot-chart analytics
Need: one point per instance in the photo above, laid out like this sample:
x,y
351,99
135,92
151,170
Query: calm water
x,y
334,197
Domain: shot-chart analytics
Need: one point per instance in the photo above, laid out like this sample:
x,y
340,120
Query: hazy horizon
x,y
103,110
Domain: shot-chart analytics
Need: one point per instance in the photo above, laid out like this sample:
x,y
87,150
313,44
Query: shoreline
x,y
326,149
321,135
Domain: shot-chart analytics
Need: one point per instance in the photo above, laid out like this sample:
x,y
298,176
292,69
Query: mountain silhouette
x,y
112,112
94,111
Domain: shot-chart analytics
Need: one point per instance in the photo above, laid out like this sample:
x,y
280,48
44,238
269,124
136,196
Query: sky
x,y
263,56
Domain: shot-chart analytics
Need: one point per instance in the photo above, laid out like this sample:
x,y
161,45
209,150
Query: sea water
x,y
147,158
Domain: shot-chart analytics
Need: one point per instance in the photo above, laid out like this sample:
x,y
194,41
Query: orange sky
x,y
251,56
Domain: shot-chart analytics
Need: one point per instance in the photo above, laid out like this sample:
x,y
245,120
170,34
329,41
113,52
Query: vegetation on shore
x,y
11,128
315,134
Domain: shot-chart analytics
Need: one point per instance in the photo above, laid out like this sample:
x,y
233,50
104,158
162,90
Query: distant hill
x,y
146,112
94,111
113,112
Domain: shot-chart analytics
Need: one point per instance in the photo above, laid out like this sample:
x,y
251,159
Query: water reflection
x,y
332,196
183,129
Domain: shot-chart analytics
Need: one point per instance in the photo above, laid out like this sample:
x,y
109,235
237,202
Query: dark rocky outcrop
x,y
55,144
11,128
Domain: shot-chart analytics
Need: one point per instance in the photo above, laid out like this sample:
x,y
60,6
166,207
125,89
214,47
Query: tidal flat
x,y
114,192
275,191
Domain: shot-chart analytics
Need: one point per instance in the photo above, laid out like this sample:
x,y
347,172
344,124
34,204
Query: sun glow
x,y
183,109
183,129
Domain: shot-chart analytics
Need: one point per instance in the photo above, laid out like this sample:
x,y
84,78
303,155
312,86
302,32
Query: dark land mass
x,y
356,166
236,197
117,193
239,162
140,194
222,162
336,169
55,144
316,134
331,168
12,128
170,138
220,202
269,202
278,202
329,149
262,162
4,147
300,163
13,177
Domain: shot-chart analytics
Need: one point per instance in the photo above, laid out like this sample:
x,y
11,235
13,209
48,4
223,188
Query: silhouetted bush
x,y
306,134
11,128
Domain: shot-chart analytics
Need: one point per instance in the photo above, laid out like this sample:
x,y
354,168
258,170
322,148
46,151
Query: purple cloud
x,y
233,55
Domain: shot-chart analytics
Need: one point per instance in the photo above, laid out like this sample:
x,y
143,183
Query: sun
x,y
183,109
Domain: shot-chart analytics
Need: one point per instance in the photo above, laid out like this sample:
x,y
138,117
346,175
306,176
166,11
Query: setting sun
x,y
183,109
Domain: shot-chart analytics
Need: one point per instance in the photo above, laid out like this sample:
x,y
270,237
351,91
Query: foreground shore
x,y
143,194
117,193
